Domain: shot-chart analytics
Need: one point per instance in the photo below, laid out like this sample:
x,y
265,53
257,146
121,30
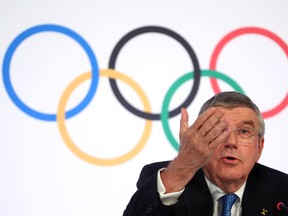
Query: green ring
x,y
174,87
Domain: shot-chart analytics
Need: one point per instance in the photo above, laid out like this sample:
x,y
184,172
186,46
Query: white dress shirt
x,y
216,193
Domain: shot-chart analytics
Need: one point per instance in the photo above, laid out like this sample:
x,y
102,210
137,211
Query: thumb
x,y
184,120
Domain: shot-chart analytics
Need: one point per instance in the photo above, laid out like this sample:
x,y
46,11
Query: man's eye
x,y
245,131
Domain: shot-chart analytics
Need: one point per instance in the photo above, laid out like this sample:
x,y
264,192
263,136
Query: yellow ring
x,y
63,131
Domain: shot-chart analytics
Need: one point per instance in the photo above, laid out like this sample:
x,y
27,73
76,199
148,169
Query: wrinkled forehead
x,y
240,116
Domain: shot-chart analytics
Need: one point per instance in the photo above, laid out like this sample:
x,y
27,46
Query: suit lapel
x,y
258,197
253,202
197,198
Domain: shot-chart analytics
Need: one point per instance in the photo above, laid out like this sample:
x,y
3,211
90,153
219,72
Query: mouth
x,y
230,160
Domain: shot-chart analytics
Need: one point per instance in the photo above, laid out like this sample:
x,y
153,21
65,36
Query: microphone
x,y
281,206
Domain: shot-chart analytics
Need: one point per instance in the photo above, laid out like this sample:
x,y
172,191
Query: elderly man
x,y
216,170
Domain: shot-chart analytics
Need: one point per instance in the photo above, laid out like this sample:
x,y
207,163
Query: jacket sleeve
x,y
146,200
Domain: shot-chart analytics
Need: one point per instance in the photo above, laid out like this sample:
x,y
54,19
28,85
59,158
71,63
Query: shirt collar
x,y
216,192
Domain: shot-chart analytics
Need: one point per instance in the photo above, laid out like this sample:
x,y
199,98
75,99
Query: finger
x,y
218,132
220,138
204,117
212,118
184,121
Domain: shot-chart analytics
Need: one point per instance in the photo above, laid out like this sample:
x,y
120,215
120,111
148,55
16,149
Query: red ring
x,y
238,32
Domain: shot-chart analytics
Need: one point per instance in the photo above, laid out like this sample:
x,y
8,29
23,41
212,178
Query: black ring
x,y
178,38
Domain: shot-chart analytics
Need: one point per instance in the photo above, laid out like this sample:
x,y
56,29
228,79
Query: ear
x,y
260,146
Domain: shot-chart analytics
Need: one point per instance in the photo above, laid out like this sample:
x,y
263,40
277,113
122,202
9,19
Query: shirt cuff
x,y
168,198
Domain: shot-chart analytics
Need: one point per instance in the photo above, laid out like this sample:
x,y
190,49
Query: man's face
x,y
232,161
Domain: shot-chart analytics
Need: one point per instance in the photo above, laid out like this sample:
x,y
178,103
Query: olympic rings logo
x,y
113,75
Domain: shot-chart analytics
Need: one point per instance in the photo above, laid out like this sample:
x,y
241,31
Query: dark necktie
x,y
228,201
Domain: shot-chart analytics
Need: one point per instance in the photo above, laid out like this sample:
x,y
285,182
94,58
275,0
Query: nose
x,y
231,140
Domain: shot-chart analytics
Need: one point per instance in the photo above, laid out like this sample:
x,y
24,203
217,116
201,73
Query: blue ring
x,y
6,71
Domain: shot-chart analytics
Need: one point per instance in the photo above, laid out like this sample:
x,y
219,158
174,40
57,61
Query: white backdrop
x,y
45,45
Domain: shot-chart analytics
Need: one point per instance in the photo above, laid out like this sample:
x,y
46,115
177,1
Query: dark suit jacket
x,y
264,189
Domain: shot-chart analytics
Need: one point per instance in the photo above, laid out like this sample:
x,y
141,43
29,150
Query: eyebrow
x,y
248,122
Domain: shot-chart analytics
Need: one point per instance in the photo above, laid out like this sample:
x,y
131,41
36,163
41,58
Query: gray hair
x,y
233,99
